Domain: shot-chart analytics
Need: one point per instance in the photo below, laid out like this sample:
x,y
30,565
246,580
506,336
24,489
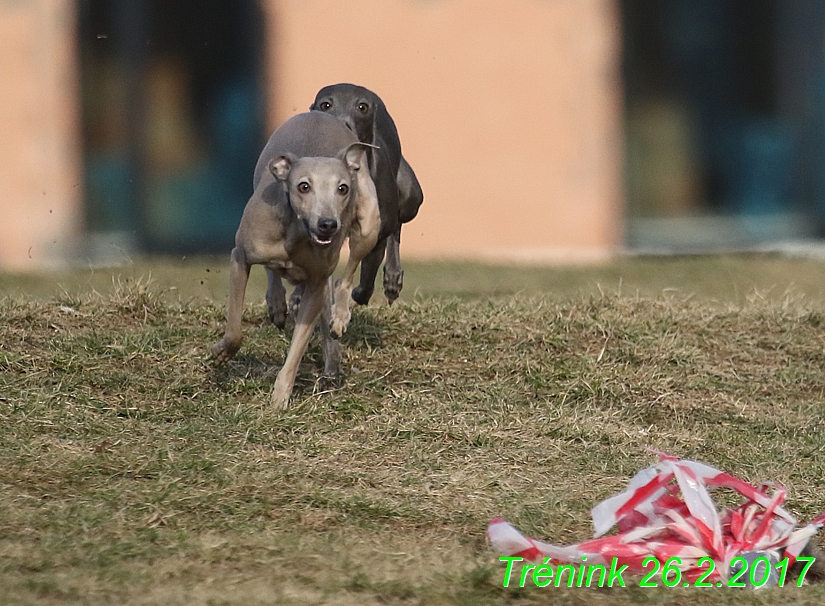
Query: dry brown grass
x,y
133,472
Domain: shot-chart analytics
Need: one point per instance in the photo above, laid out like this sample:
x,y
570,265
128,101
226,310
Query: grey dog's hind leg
x,y
226,348
369,269
393,273
410,194
410,197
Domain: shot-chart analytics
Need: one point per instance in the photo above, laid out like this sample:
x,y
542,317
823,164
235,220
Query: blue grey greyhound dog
x,y
399,193
310,194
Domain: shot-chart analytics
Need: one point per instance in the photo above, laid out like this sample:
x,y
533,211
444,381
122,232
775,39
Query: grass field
x,y
134,472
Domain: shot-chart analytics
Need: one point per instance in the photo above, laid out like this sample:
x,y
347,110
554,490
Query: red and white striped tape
x,y
666,511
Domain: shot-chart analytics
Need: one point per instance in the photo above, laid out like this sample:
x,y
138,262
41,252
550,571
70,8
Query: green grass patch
x,y
132,471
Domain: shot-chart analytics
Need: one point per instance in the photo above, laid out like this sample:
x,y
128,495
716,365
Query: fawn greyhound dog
x,y
399,193
312,190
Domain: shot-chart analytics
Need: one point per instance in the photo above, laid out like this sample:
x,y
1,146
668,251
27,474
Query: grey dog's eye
x,y
343,189
303,187
325,105
363,108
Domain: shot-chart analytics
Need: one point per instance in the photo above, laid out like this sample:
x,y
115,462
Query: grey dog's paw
x,y
278,316
277,312
393,283
361,294
222,352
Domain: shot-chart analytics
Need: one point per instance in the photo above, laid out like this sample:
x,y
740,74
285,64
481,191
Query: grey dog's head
x,y
320,189
355,105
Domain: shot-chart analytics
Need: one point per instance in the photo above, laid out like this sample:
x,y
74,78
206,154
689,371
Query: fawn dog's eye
x,y
304,187
343,189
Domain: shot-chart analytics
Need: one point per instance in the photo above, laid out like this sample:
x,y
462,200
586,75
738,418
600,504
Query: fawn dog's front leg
x,y
362,239
312,303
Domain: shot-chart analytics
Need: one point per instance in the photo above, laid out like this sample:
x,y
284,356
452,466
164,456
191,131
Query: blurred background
x,y
541,130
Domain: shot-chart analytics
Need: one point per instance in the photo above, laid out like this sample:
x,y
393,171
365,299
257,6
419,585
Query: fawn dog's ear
x,y
282,165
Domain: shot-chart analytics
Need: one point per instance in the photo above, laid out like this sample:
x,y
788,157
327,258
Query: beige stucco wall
x,y
509,112
40,189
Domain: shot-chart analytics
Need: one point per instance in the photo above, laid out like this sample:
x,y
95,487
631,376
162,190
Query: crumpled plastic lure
x,y
665,512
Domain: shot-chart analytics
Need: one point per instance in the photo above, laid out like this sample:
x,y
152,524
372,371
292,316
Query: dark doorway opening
x,y
725,121
173,119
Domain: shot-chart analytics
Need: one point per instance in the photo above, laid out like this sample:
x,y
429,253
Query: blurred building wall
x,y
40,184
509,112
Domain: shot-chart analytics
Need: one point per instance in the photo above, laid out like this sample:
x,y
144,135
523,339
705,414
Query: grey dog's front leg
x,y
312,304
226,348
369,269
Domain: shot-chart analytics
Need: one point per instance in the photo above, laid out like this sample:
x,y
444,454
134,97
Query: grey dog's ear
x,y
352,154
281,166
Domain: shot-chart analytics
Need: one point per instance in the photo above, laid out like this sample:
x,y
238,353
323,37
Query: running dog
x,y
399,193
311,192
